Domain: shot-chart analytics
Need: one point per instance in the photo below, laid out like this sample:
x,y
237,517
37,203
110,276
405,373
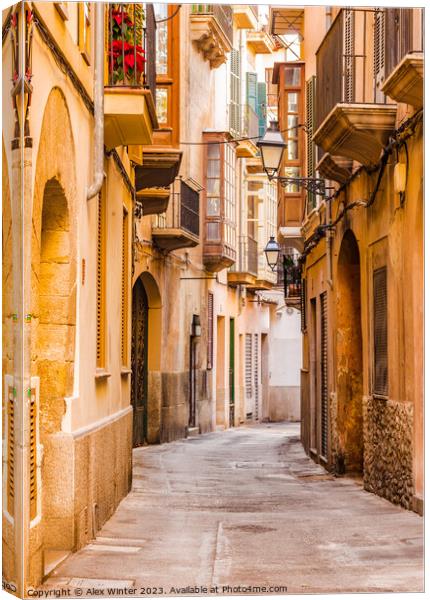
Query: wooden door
x,y
139,364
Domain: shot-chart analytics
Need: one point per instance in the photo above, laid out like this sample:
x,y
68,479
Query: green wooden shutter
x,y
235,92
261,108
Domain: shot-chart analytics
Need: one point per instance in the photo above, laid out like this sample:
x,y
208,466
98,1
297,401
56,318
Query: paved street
x,y
247,507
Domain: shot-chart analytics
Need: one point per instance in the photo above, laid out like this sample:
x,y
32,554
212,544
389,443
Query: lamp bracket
x,y
311,184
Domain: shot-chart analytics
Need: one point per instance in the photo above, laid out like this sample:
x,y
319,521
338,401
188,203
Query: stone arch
x,y
53,247
349,366
151,386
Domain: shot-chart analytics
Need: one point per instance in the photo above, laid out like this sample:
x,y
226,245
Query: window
x,y
124,290
234,116
380,333
101,283
84,31
210,330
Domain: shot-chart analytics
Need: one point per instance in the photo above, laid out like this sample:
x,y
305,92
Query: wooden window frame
x,y
84,31
62,9
168,133
222,218
101,353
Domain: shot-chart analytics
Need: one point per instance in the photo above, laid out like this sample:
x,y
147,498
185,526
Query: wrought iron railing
x,y
290,275
183,211
131,45
223,13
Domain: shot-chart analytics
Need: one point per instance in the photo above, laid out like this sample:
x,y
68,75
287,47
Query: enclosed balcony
x,y
245,16
179,226
129,109
353,119
245,271
212,31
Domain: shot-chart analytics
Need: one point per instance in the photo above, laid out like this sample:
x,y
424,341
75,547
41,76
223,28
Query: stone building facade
x,y
135,288
362,261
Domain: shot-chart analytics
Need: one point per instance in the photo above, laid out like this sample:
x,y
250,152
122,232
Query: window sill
x,y
102,374
125,371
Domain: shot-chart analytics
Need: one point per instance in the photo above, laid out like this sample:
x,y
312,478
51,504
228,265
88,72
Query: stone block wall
x,y
388,450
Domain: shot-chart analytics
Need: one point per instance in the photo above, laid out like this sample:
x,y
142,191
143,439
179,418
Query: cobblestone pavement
x,y
246,507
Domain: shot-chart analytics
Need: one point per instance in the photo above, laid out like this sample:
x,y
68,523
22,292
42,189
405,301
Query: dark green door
x,y
139,364
231,372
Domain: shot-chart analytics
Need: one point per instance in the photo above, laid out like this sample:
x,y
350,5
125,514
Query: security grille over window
x,y
10,433
33,452
210,330
189,209
324,375
380,383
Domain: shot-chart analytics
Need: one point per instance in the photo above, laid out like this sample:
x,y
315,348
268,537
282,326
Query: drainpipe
x,y
96,186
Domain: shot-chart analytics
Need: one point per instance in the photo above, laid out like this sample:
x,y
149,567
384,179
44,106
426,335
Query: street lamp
x,y
272,146
272,251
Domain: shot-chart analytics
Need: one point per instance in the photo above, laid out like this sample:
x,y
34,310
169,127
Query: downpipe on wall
x,y
329,242
99,174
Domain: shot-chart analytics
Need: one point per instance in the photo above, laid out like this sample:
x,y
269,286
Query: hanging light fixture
x,y
272,146
272,251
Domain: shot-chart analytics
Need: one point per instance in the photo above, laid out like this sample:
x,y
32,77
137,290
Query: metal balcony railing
x,y
221,12
289,275
183,210
131,45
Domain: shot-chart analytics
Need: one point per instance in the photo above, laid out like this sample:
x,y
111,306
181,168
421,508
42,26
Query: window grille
x,y
210,330
380,333
324,375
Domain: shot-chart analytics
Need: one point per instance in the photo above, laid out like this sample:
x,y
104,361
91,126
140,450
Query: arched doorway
x,y
139,364
145,361
349,358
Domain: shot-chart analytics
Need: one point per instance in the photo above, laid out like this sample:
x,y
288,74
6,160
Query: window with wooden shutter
x,y
84,30
235,125
101,275
303,306
379,52
261,108
252,90
33,451
310,145
124,290
324,375
380,333
10,438
210,330
349,53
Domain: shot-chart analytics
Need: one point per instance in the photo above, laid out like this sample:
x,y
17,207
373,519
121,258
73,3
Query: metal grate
x,y
10,450
210,357
303,306
248,374
380,358
324,375
33,453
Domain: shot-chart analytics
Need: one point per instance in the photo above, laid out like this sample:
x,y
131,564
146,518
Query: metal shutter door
x,y
380,333
256,376
324,375
248,375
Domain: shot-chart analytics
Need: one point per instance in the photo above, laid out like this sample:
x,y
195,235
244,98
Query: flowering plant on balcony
x,y
126,58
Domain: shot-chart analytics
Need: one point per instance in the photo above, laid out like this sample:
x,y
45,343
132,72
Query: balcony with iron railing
x,y
179,226
353,118
260,41
245,270
129,108
290,278
212,31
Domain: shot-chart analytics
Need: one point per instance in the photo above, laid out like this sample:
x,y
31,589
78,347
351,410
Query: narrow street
x,y
247,507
